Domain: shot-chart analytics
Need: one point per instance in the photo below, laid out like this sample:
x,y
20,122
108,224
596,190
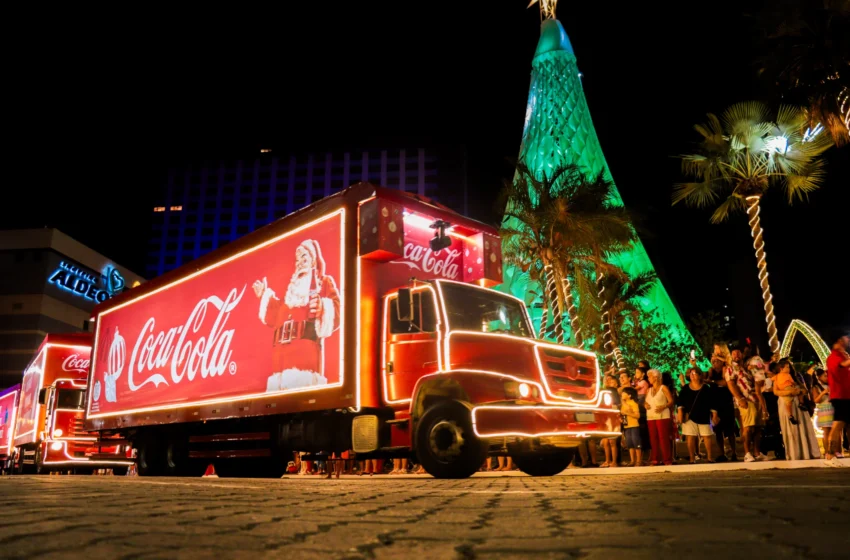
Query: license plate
x,y
584,417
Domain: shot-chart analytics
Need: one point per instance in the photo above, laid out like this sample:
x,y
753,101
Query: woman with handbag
x,y
696,409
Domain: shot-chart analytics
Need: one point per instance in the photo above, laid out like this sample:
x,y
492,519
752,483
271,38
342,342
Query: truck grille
x,y
78,429
568,375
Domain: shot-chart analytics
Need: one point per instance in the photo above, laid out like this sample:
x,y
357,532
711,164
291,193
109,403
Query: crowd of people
x,y
768,405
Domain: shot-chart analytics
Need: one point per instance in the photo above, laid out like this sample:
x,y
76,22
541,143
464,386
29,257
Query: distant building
x,y
203,206
50,284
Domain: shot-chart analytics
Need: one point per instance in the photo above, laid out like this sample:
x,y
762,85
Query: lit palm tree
x,y
551,222
742,156
619,299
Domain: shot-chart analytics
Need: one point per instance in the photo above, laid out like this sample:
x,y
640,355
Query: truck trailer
x,y
44,425
364,322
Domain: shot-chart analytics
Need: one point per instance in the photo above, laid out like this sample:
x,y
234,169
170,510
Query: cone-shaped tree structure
x,y
559,131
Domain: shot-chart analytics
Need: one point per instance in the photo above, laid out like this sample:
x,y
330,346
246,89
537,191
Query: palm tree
x,y
550,222
806,53
743,156
619,299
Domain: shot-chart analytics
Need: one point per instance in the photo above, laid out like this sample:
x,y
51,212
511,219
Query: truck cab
x,y
460,366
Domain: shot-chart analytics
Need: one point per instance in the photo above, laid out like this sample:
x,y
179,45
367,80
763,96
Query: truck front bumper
x,y
555,424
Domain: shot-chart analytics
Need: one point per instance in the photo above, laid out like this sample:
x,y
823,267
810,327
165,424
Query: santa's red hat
x,y
312,247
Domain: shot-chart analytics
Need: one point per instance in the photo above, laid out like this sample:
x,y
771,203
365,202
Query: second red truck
x,y
364,322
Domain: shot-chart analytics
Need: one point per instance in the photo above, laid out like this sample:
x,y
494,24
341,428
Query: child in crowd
x,y
784,380
631,427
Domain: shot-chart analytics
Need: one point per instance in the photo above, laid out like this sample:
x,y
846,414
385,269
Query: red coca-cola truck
x,y
41,420
8,408
366,322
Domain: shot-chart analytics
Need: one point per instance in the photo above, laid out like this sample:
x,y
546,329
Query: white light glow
x,y
778,144
524,390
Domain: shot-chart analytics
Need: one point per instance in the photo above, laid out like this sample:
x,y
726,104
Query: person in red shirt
x,y
838,372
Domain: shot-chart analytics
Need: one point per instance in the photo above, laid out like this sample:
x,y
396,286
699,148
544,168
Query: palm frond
x,y
732,204
698,195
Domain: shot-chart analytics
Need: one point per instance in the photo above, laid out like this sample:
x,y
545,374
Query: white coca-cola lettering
x,y
441,263
210,352
75,363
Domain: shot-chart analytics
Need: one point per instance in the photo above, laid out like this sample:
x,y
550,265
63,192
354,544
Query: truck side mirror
x,y
405,305
42,396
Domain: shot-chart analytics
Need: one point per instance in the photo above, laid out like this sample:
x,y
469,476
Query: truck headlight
x,y
58,432
519,390
56,445
607,399
524,390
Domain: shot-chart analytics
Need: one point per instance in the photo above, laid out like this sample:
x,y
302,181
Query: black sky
x,y
107,104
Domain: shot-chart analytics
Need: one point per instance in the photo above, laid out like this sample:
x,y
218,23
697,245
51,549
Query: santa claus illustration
x,y
307,314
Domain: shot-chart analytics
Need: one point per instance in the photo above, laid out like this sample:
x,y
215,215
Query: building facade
x,y
50,284
207,205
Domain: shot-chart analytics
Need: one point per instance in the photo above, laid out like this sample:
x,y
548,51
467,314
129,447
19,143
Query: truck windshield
x,y
70,398
473,309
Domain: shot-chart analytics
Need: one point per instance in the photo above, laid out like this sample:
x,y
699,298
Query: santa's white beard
x,y
298,291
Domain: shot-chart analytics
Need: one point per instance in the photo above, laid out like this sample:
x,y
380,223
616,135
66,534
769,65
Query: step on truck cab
x,y
365,321
48,428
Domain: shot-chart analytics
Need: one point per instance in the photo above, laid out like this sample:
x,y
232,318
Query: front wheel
x,y
446,444
544,464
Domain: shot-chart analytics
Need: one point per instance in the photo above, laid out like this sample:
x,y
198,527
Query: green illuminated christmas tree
x,y
559,131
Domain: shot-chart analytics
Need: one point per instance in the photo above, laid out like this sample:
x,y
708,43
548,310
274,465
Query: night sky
x,y
106,107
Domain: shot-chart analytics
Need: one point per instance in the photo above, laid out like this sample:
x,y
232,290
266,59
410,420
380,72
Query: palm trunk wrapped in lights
x,y
753,210
557,329
572,312
543,318
612,351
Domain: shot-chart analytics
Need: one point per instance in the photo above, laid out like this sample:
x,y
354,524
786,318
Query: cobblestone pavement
x,y
743,514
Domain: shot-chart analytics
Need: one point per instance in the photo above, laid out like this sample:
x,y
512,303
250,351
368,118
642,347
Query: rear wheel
x,y
149,457
544,464
446,444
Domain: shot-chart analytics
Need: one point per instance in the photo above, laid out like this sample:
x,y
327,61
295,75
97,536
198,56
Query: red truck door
x,y
411,347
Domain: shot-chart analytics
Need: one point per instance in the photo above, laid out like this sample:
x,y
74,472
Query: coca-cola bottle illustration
x,y
114,365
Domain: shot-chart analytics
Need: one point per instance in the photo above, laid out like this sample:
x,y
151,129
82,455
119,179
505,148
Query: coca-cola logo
x,y
75,363
444,263
182,349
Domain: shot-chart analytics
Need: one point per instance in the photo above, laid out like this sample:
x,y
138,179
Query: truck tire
x,y
446,444
544,464
149,457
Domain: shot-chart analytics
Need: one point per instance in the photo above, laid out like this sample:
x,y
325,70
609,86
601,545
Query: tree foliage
x,y
650,340
805,57
708,329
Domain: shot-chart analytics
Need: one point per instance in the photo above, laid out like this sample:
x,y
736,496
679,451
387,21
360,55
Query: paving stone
x,y
732,514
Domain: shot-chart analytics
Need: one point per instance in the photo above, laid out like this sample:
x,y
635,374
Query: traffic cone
x,y
210,472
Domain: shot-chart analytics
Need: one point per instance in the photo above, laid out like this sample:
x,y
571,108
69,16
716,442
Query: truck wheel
x,y
446,444
176,456
544,464
149,455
